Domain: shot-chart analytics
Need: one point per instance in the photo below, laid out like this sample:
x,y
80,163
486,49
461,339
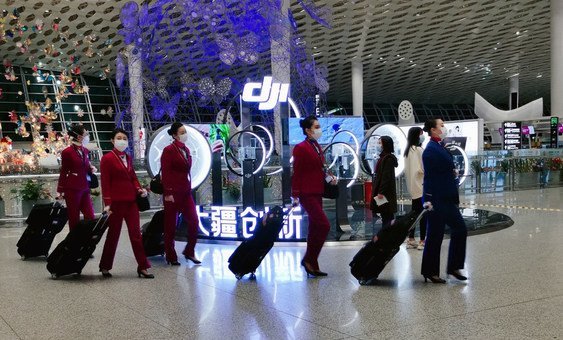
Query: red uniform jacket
x,y
308,169
74,169
119,183
175,168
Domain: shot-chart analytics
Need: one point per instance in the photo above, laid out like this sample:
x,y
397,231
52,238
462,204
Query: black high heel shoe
x,y
173,263
457,275
434,279
193,259
319,273
310,272
143,275
106,273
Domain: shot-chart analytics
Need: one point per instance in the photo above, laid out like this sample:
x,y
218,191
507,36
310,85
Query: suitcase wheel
x,y
362,282
239,276
252,276
54,276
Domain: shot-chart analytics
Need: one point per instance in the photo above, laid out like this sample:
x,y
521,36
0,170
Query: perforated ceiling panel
x,y
425,51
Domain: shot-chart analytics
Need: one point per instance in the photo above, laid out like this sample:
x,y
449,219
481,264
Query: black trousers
x,y
386,219
444,213
417,206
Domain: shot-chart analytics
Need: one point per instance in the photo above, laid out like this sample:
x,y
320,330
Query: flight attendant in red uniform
x,y
307,186
120,188
176,163
73,178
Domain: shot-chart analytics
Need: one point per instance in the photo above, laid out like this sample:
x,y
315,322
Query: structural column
x,y
556,58
357,87
514,94
136,97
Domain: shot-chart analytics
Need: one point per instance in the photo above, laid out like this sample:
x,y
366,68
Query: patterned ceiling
x,y
425,51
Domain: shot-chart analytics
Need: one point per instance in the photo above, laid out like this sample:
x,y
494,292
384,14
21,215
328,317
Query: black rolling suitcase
x,y
153,235
71,255
43,223
368,263
249,254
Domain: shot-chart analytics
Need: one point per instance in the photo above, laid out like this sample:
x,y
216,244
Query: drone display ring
x,y
354,161
198,145
228,148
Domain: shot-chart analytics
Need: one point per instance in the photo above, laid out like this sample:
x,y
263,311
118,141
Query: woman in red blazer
x,y
120,188
175,165
73,178
307,186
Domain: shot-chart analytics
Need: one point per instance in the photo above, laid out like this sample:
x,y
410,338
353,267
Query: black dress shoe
x,y
193,259
457,275
144,275
173,263
106,273
434,279
310,272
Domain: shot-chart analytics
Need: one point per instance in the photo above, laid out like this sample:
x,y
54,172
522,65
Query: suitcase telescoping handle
x,y
427,207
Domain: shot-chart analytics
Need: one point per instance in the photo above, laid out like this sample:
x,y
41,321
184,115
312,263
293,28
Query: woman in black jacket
x,y
383,182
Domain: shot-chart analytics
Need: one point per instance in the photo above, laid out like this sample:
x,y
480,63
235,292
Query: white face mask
x,y
444,132
86,140
421,139
120,144
183,138
317,134
378,148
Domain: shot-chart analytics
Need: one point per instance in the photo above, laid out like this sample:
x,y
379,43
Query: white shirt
x,y
414,171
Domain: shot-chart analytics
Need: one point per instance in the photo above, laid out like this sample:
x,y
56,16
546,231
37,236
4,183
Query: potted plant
x,y
232,191
2,208
268,197
31,192
96,200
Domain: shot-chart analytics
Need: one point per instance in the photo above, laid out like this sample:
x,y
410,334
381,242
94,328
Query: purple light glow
x,y
525,130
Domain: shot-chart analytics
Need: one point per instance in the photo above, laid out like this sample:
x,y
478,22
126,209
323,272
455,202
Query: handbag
x,y
93,181
156,184
331,191
143,203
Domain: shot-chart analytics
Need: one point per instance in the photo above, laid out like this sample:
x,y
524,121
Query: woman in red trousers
x,y
307,186
120,188
73,179
176,163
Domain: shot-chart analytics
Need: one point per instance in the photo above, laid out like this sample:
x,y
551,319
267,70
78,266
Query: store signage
x,y
234,223
554,132
269,94
512,135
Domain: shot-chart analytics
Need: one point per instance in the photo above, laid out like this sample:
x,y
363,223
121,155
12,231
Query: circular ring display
x,y
399,142
355,160
270,137
198,145
354,138
262,145
362,163
456,151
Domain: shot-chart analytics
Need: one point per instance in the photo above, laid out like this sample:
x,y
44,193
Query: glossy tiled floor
x,y
515,291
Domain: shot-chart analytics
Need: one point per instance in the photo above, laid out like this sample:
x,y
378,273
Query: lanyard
x,y
80,154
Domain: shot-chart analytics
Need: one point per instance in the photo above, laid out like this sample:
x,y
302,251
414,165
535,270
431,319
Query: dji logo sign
x,y
269,95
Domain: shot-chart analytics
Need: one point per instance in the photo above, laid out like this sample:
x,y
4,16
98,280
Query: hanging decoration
x,y
199,52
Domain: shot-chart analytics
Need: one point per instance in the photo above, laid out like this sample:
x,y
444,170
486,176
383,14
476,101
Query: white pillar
x,y
513,88
136,97
357,88
557,58
281,73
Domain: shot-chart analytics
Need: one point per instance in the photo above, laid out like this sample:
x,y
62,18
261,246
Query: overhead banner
x,y
512,135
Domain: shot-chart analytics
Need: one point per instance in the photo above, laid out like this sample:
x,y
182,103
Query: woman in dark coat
x,y
383,182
